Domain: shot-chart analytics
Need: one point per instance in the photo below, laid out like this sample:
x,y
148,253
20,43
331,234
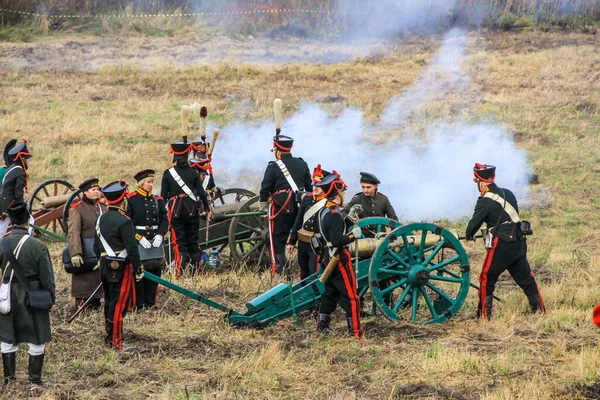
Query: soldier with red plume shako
x,y
340,286
506,244
14,181
305,224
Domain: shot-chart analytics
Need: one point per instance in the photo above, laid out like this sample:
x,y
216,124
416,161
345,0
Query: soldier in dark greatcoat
x,y
24,324
497,208
374,203
341,285
120,264
82,228
14,181
149,215
282,181
305,224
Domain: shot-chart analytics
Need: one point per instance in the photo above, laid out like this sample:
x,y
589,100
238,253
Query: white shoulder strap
x,y
510,210
105,244
288,176
206,181
11,168
182,184
17,251
313,210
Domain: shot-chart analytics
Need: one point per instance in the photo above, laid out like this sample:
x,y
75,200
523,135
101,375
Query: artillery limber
x,y
417,272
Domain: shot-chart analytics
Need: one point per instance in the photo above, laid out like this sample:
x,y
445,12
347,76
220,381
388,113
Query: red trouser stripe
x,y
483,278
174,237
120,307
539,294
271,228
350,284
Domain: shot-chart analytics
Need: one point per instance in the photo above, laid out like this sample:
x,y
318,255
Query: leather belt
x,y
147,227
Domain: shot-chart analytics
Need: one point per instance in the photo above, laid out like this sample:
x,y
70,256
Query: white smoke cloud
x,y
426,174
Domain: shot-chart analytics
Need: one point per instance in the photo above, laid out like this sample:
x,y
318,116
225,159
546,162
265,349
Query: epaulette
x,y
334,211
382,194
123,214
131,194
271,162
357,194
159,198
300,158
74,205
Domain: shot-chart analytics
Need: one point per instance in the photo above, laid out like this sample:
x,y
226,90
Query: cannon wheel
x,y
432,281
233,195
252,250
75,197
53,187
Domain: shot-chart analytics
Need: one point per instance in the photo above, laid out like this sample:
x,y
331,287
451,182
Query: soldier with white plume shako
x,y
14,181
182,189
282,181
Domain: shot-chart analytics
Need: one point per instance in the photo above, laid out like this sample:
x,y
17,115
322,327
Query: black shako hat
x,y
88,184
19,150
18,213
484,173
143,174
283,143
371,179
115,192
331,182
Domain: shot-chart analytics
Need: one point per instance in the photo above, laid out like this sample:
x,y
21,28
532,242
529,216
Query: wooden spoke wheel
x,y
73,198
426,273
233,195
249,237
47,203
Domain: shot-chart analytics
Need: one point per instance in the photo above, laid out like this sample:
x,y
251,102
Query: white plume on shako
x,y
426,174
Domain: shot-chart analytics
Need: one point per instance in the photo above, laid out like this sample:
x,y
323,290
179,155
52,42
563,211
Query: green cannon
x,y
417,272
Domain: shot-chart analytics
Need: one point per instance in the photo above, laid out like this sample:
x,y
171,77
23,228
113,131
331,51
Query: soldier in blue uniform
x,y
149,215
282,181
497,208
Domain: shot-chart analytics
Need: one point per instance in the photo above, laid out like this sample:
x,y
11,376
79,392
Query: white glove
x,y
357,232
77,261
145,242
158,239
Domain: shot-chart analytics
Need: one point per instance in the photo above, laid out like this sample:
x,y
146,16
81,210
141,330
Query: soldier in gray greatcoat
x,y
24,324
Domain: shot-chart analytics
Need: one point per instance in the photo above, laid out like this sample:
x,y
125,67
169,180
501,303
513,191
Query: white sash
x,y
206,181
182,184
510,210
313,210
287,175
105,244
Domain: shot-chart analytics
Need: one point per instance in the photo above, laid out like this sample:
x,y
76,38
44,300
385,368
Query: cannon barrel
x,y
54,201
367,246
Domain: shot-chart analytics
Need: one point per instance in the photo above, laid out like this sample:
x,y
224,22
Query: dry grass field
x,y
113,120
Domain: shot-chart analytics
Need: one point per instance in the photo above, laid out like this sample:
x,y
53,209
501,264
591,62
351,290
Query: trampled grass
x,y
113,122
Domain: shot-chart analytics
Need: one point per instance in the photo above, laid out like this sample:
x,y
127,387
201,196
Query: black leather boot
x,y
9,361
489,304
35,370
535,303
350,326
323,323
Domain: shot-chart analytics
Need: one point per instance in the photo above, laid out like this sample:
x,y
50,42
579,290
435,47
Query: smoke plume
x,y
426,172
